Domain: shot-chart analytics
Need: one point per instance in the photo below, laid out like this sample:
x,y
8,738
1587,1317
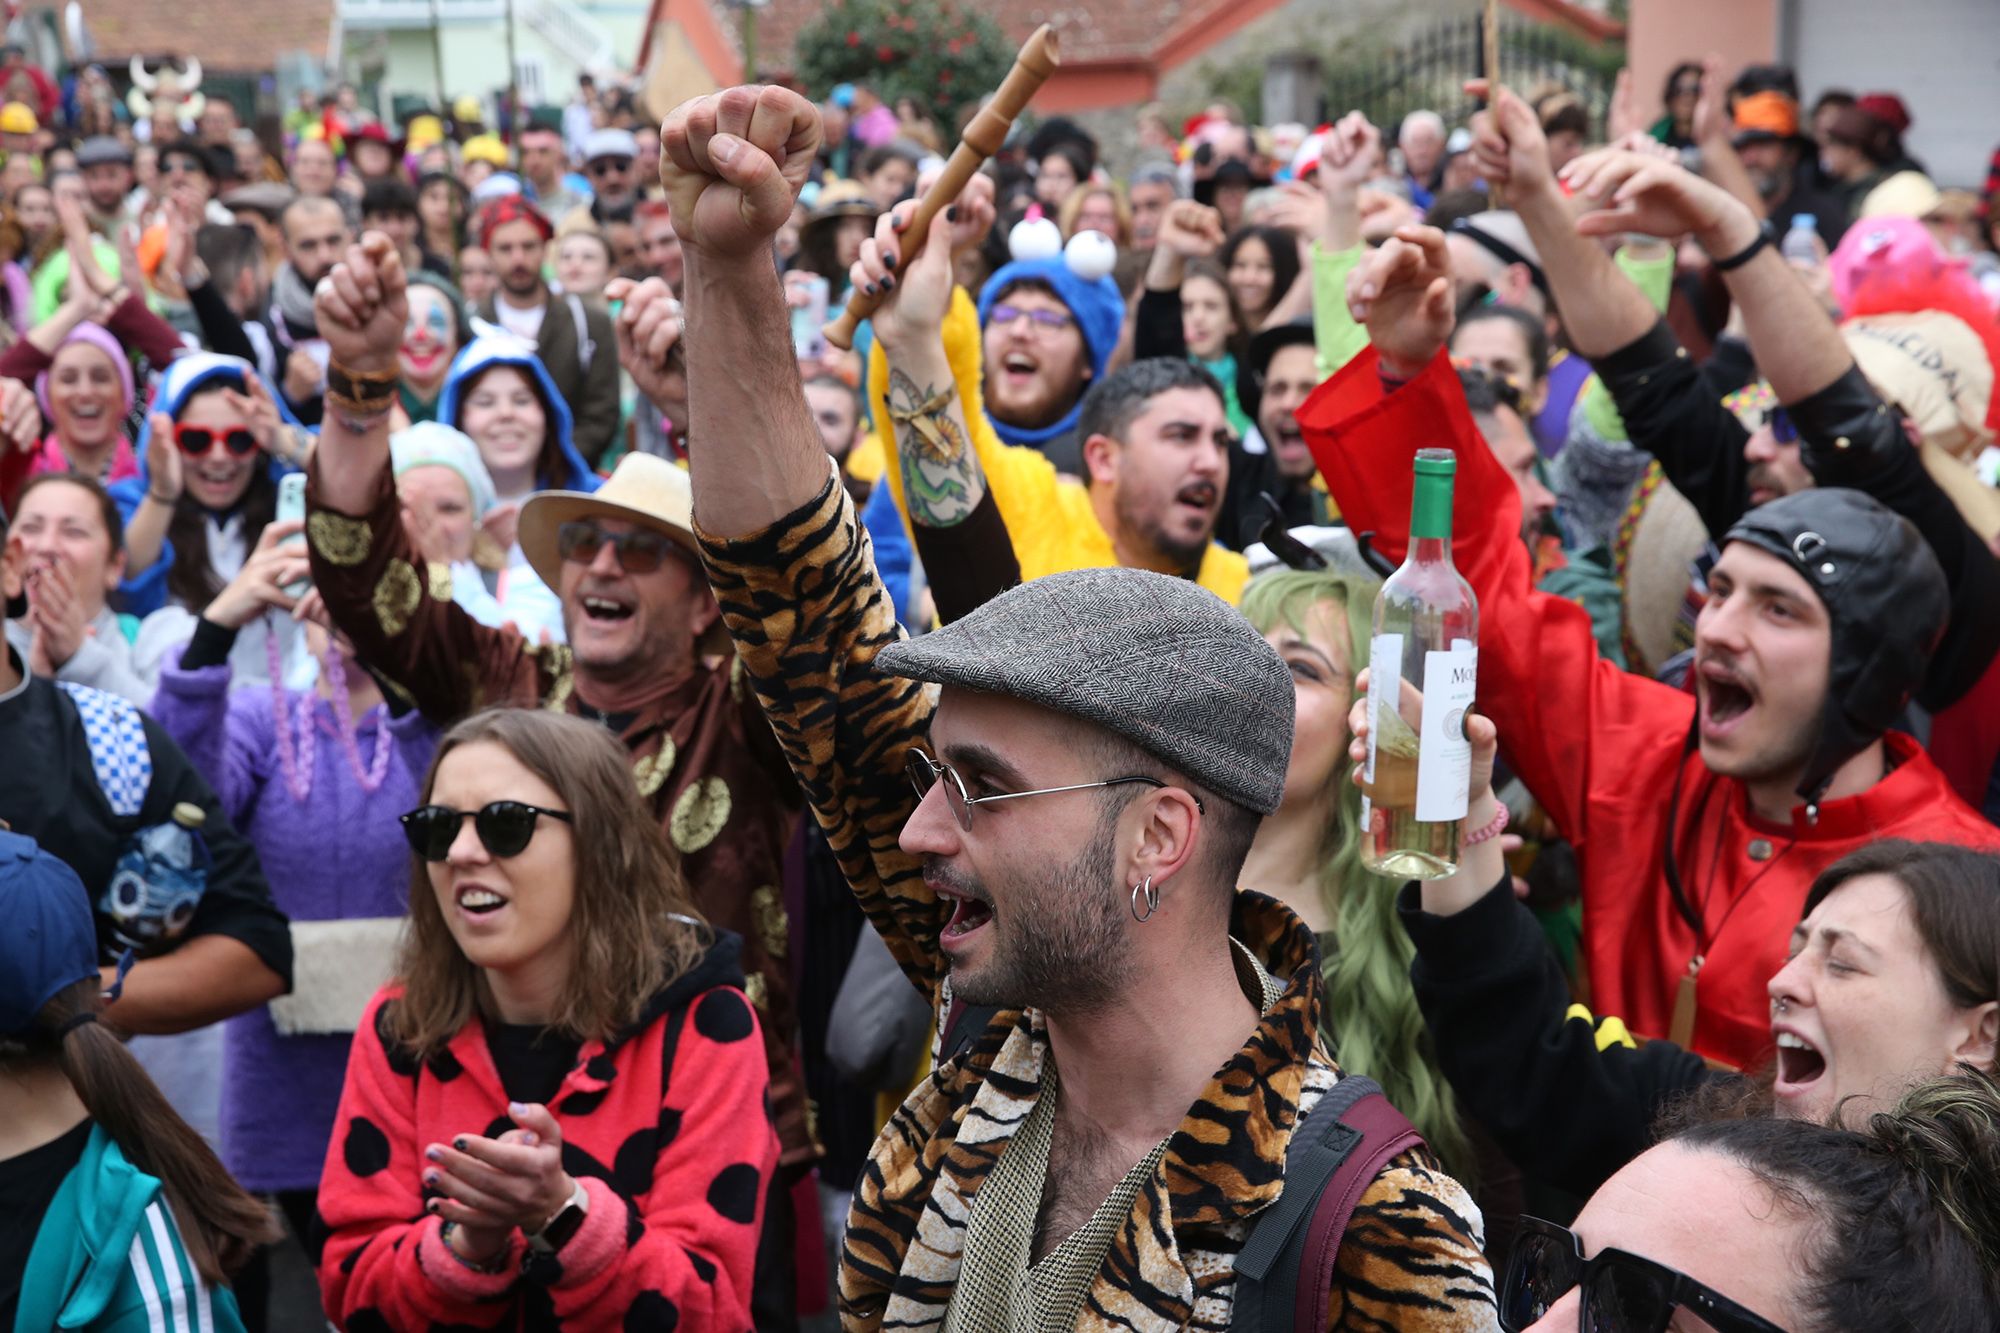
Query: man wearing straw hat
x,y
646,654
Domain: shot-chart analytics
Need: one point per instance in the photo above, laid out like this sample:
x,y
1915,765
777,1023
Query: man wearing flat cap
x,y
106,165
1043,809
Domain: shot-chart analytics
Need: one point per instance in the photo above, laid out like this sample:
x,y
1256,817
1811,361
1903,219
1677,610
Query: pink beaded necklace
x,y
296,756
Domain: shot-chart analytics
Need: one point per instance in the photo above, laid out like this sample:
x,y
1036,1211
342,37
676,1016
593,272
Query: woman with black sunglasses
x,y
558,1106
1773,1226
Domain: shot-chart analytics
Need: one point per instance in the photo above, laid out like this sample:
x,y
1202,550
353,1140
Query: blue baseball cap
x,y
51,937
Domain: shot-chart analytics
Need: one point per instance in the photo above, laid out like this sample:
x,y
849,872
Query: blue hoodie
x,y
109,1257
1099,312
482,354
146,592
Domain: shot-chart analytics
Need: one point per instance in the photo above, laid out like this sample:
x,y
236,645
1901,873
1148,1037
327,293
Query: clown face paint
x,y
429,337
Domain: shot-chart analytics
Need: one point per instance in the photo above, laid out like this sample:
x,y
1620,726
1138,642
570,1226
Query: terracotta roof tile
x,y
222,34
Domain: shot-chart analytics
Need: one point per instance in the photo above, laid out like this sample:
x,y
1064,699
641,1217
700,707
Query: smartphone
x,y
292,509
809,320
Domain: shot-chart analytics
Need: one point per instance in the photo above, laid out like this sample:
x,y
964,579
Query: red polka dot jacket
x,y
665,1125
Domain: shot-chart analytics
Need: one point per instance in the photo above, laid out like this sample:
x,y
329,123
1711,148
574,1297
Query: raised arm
x,y
732,164
1540,678
364,564
1187,231
1798,348
1610,321
954,519
785,555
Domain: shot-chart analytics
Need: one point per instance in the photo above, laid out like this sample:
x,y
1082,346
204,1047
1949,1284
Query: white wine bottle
x,y
1422,665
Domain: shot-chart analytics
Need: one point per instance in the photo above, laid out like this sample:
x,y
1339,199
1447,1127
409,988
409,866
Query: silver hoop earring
x,y
1152,895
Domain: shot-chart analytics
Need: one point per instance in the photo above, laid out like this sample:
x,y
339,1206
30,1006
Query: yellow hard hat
x,y
468,109
422,132
16,118
485,148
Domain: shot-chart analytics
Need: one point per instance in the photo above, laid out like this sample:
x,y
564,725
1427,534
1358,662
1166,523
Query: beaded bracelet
x,y
1493,829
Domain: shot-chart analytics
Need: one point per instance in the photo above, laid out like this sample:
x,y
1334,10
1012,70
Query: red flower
x,y
944,76
854,39
885,53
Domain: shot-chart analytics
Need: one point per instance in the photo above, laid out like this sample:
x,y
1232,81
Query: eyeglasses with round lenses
x,y
926,772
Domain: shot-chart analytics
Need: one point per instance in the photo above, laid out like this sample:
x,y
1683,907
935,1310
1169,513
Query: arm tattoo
x,y
942,480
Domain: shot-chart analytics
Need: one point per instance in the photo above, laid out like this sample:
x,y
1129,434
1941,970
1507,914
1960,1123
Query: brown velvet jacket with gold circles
x,y
702,753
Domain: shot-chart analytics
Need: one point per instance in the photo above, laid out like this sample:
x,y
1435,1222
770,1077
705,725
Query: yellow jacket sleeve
x,y
1049,517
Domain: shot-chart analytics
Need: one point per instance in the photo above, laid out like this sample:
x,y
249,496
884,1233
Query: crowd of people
x,y
520,747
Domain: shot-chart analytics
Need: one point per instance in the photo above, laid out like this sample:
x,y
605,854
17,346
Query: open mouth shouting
x,y
970,913
1727,698
1019,368
1201,497
1800,1064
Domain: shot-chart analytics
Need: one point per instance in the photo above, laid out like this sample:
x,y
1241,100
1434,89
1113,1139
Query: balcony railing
x,y
561,23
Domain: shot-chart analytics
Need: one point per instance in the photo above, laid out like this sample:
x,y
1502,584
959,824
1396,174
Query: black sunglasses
x,y
504,827
1622,1292
639,552
1783,429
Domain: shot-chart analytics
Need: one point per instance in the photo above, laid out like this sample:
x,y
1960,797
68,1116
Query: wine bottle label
x,y
1385,673
1444,760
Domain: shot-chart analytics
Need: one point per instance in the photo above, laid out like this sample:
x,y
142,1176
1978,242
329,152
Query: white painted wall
x,y
1942,57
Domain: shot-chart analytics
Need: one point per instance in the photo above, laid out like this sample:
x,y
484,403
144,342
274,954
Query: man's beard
x,y
1181,553
1057,943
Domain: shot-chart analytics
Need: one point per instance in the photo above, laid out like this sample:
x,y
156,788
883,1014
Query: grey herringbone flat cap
x,y
1160,661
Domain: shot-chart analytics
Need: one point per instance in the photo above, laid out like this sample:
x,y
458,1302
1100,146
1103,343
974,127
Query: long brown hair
x,y
633,926
221,1225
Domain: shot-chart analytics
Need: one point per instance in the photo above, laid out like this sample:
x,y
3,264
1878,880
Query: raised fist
x,y
732,164
360,306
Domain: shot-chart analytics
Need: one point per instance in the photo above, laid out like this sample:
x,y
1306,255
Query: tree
x,y
940,53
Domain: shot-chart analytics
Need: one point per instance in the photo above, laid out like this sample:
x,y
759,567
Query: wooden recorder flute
x,y
983,137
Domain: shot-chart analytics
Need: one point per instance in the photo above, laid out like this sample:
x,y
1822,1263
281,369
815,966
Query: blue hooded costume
x,y
146,592
504,349
1100,313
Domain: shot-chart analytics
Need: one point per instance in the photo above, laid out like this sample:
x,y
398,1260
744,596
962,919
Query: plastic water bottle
x,y
1801,243
158,882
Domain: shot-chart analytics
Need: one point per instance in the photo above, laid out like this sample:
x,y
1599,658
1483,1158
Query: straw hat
x,y
643,489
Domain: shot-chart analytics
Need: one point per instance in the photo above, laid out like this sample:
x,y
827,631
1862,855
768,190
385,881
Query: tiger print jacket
x,y
808,614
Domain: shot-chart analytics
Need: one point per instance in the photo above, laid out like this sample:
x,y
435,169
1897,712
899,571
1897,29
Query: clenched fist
x,y
360,306
732,164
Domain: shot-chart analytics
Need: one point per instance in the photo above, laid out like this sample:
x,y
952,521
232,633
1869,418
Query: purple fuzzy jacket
x,y
339,855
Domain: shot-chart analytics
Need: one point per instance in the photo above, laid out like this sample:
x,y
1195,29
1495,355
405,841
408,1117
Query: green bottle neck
x,y
1430,511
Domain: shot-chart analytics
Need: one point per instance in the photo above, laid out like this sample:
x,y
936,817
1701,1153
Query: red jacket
x,y
665,1127
1604,751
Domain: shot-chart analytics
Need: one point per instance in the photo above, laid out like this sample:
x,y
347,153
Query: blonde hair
x,y
1071,207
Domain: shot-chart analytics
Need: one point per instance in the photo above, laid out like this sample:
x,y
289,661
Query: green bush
x,y
942,54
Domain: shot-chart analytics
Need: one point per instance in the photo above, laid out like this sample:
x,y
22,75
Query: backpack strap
x,y
962,1025
1284,1272
119,755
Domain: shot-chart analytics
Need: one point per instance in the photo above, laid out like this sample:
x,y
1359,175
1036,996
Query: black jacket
x,y
1848,437
1496,1003
50,792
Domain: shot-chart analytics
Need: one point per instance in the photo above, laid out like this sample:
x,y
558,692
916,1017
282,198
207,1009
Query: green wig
x,y
1371,1021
